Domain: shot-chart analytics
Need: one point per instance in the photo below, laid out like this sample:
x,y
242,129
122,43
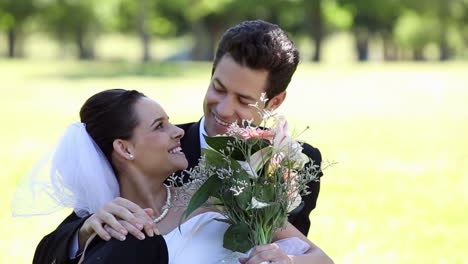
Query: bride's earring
x,y
130,155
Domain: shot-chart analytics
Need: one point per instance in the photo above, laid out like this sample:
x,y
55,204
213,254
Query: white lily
x,y
256,204
256,162
297,201
286,144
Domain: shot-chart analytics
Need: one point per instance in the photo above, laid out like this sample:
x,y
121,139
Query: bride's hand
x,y
134,219
270,253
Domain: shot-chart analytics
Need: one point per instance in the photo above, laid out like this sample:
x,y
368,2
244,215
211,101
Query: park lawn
x,y
397,131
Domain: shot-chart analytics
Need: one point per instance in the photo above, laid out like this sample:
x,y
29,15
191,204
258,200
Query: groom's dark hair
x,y
261,45
110,115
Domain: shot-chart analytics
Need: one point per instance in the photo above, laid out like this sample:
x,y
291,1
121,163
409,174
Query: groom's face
x,y
232,89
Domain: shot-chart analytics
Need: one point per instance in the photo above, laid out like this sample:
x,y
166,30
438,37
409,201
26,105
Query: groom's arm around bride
x,y
238,80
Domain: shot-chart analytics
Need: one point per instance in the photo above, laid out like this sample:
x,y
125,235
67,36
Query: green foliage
x,y
415,31
204,21
220,144
14,13
202,8
67,19
373,15
236,238
337,16
200,197
234,147
162,20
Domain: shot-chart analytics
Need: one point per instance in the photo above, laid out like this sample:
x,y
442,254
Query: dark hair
x,y
110,115
263,46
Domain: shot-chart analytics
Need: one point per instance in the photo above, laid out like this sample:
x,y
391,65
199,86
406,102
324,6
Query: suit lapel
x,y
191,144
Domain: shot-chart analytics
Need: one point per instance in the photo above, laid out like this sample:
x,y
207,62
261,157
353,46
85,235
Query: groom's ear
x,y
276,101
123,149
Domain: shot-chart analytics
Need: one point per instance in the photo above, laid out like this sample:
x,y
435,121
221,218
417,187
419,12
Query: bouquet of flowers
x,y
255,176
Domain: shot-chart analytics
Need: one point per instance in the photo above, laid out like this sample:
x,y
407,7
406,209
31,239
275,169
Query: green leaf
x,y
220,144
243,198
257,143
210,187
268,192
271,212
237,239
214,158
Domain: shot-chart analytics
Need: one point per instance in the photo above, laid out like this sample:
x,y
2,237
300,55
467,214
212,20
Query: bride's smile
x,y
155,142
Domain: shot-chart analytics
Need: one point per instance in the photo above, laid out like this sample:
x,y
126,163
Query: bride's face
x,y
155,141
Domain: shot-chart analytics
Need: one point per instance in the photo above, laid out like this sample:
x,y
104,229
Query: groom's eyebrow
x,y
247,97
156,120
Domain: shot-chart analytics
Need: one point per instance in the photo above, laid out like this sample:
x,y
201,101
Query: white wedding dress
x,y
200,240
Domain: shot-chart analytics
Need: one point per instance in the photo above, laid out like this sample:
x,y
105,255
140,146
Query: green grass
x,y
397,131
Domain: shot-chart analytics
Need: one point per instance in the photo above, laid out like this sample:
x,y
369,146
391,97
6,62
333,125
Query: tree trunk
x,y
418,54
216,29
146,40
84,52
362,44
444,48
314,11
143,29
445,53
11,42
390,51
203,47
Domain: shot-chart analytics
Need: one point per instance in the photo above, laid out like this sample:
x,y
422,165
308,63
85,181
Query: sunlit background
x,y
383,86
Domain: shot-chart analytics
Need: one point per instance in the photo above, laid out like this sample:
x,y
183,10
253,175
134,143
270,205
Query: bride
x,y
126,147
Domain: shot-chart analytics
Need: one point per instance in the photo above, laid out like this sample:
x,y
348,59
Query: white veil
x,y
79,177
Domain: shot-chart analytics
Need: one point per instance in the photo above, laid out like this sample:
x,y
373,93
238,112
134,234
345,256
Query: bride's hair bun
x,y
110,115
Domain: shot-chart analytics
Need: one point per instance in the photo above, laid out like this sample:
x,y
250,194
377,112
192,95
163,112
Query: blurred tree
x,y
314,11
373,18
414,32
134,16
207,20
148,18
450,16
321,17
464,24
72,21
143,13
13,15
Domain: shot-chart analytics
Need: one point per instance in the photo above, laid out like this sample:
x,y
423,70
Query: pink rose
x,y
257,133
250,132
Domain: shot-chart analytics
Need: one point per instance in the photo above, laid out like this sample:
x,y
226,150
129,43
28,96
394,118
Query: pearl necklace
x,y
166,206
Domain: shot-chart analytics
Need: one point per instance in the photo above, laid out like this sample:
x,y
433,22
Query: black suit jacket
x,y
55,246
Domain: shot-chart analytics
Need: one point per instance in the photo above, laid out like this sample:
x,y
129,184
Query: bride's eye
x,y
159,126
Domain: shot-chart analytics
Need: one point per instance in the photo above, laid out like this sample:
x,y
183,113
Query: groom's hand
x,y
150,228
133,220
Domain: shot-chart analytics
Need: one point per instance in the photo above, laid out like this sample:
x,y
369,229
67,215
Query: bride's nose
x,y
178,132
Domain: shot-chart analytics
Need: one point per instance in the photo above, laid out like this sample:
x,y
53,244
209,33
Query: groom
x,y
252,58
